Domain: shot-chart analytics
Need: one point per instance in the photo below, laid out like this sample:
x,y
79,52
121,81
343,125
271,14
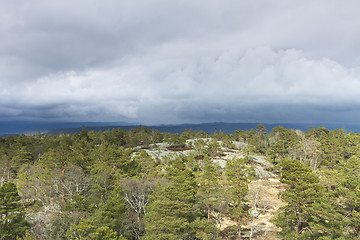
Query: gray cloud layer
x,y
158,61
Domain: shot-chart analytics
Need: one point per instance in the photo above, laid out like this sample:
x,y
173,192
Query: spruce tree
x,y
12,222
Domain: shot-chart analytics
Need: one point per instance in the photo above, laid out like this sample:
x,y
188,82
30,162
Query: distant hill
x,y
180,128
29,127
32,127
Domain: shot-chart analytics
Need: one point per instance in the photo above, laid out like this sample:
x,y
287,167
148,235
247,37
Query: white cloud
x,y
146,86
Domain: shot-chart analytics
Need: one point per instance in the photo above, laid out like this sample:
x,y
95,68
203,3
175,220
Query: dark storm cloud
x,y
160,61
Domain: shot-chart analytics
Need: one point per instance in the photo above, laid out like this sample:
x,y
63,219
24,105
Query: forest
x,y
143,184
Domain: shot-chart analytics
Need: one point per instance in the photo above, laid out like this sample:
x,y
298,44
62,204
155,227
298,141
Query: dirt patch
x,y
268,203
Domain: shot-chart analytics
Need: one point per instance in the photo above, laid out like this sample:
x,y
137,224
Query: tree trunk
x,y
239,229
208,212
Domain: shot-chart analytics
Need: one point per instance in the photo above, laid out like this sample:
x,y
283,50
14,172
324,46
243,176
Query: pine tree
x,y
86,229
170,211
12,222
209,185
238,177
349,191
170,214
307,213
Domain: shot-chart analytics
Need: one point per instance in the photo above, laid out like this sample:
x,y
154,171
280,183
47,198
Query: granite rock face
x,y
262,167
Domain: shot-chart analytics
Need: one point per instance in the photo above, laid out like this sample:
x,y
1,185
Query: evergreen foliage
x,y
12,222
309,213
170,211
238,177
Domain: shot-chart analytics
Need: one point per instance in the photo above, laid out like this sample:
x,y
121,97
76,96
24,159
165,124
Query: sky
x,y
185,61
